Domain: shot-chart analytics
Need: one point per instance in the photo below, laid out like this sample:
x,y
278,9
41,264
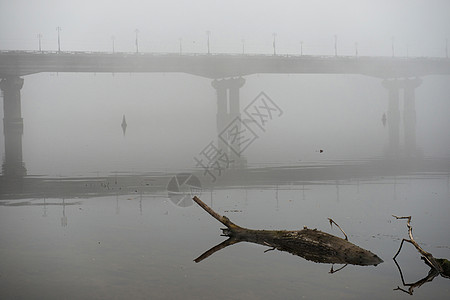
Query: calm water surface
x,y
141,245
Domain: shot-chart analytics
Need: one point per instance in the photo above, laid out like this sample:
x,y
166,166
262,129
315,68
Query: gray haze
x,y
88,25
72,121
103,213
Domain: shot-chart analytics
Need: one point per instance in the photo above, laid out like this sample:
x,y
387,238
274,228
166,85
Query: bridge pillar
x,y
222,117
409,116
393,117
228,108
13,165
234,101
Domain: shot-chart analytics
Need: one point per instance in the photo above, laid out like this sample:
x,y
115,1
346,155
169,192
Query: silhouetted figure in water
x,y
124,125
383,119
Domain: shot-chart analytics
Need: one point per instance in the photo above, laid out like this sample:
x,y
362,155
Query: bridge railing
x,y
188,54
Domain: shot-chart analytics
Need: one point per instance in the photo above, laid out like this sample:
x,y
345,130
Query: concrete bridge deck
x,y
20,63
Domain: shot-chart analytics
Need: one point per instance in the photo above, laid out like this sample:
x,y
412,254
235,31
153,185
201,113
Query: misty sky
x,y
90,24
72,121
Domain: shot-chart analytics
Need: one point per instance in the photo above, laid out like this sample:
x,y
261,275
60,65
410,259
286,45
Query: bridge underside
x,y
16,64
228,108
217,66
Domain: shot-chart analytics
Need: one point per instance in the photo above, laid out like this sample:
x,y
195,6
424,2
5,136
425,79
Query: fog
x,y
89,25
96,190
72,121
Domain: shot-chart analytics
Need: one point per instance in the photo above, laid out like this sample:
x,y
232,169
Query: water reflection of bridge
x,y
156,184
226,71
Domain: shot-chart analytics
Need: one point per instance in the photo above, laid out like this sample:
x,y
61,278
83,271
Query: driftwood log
x,y
311,244
438,266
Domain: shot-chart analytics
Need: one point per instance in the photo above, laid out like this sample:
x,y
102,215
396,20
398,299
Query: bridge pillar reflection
x,y
409,116
228,108
393,117
13,165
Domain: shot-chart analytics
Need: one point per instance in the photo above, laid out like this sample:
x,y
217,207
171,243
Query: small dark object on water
x,y
383,120
124,125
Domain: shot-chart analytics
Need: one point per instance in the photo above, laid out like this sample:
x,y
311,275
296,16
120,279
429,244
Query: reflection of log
x,y
411,286
439,266
229,242
310,244
426,255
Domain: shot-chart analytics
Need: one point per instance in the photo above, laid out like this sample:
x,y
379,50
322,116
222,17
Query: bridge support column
x,y
235,104
228,108
13,165
393,117
409,116
222,117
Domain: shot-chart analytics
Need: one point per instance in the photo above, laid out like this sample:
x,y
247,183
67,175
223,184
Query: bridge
x,y
214,66
226,71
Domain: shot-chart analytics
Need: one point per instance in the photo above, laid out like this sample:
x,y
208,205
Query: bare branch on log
x,y
222,219
333,222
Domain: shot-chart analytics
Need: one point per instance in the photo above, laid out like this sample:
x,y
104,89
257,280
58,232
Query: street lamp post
x,y
446,48
356,49
301,48
137,41
274,44
335,45
40,37
243,46
392,46
208,33
59,39
113,38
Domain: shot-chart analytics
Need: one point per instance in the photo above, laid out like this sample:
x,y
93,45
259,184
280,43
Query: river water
x,y
124,236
